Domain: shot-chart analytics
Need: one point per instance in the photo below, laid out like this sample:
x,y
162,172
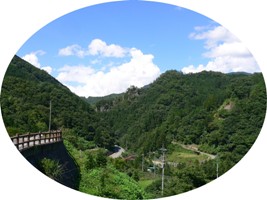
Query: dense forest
x,y
25,102
220,114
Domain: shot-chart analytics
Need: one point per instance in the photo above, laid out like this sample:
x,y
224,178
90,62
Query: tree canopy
x,y
220,113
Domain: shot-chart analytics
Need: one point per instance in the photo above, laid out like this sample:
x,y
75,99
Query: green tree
x,y
51,168
135,175
104,139
101,159
90,162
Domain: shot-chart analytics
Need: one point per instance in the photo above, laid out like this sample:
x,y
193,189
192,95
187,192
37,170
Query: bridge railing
x,y
34,139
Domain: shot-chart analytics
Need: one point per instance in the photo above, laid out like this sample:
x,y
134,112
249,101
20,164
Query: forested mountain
x,y
222,114
94,100
25,101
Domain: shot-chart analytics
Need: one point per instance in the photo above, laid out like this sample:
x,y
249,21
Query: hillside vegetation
x,y
94,100
25,101
220,114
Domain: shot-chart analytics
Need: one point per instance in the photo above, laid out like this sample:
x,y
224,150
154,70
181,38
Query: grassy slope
x,y
105,181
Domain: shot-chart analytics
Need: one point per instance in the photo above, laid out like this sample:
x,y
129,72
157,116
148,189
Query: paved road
x,y
117,153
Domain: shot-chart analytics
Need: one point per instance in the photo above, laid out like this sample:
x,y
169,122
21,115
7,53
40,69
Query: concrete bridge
x,y
29,140
37,146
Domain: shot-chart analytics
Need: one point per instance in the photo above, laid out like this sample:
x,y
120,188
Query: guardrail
x,y
26,141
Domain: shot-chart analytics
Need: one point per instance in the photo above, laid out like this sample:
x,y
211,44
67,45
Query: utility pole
x,y
50,111
162,176
217,167
142,162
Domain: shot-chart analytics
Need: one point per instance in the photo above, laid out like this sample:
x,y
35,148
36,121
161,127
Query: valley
x,y
206,122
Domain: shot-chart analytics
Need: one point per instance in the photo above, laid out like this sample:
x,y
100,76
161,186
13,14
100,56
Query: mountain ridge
x,y
220,114
25,100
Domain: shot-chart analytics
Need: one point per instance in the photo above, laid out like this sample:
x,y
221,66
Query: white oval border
x,y
21,19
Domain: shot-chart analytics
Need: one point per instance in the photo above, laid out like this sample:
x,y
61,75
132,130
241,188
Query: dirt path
x,y
160,163
194,148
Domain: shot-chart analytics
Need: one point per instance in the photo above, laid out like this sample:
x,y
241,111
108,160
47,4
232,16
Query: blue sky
x,y
105,48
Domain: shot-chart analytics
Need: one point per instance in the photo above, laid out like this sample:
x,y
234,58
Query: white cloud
x,y
95,61
224,64
77,74
72,50
99,47
233,49
96,47
226,52
48,69
33,59
213,36
139,71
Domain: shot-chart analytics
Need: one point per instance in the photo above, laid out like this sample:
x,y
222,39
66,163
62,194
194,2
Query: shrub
x,y
51,168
